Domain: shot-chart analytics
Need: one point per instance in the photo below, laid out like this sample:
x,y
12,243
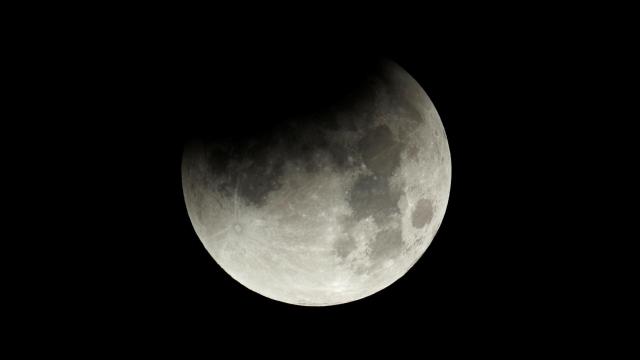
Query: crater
x,y
422,213
380,152
386,245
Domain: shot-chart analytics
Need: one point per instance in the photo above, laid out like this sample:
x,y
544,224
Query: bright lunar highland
x,y
330,211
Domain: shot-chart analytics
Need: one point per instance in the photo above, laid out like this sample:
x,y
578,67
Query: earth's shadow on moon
x,y
284,121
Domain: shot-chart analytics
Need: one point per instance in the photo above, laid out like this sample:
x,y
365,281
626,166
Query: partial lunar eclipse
x,y
326,212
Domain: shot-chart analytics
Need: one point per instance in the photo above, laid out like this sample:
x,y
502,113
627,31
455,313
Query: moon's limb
x,y
327,215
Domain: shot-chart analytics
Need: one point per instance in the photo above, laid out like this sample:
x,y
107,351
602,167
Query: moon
x,y
331,209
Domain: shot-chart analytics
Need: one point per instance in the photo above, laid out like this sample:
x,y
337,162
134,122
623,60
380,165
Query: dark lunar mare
x,y
372,196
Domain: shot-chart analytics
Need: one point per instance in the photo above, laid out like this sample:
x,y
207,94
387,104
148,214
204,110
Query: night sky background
x,y
132,268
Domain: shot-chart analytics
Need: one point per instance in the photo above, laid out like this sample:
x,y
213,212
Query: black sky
x,y
133,264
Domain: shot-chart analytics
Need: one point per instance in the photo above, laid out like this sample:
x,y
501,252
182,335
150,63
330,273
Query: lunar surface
x,y
326,212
